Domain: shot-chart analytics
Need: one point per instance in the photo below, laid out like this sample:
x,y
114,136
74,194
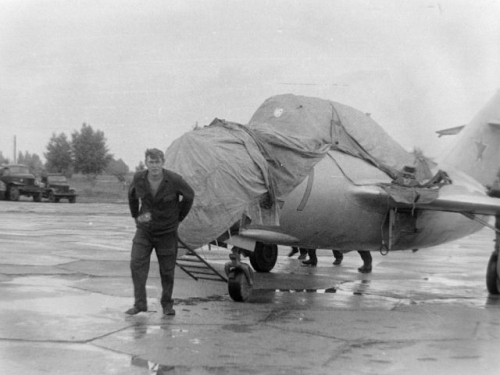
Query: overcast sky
x,y
144,72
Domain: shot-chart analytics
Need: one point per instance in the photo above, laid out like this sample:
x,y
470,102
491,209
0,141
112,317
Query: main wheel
x,y
238,287
37,197
14,193
264,257
492,274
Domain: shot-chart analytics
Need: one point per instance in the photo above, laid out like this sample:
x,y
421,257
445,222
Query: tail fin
x,y
477,151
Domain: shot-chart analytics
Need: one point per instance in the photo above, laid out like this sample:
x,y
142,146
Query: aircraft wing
x,y
450,199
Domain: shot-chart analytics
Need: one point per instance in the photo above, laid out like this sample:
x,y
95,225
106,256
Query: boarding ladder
x,y
195,266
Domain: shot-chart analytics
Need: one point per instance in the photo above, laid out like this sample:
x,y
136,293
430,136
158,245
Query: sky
x,y
145,72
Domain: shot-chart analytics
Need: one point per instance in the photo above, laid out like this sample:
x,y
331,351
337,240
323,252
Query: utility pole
x,y
15,151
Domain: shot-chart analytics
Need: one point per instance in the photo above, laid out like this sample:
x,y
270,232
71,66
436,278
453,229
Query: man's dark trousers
x,y
166,251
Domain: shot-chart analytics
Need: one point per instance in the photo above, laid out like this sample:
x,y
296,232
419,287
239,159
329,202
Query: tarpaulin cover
x,y
239,170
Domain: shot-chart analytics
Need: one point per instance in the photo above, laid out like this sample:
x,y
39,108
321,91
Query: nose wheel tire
x,y
493,274
238,286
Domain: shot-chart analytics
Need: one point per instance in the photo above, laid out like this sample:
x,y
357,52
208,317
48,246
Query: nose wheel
x,y
240,277
238,286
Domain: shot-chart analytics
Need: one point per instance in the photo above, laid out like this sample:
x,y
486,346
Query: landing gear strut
x,y
240,276
493,269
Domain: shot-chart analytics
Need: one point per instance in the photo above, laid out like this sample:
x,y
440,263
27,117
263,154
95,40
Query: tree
x,y
140,167
3,160
58,155
117,168
32,161
91,155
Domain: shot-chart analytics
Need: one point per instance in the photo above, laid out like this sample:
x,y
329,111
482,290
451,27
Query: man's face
x,y
154,165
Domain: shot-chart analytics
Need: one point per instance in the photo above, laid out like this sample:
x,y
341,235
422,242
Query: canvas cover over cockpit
x,y
244,171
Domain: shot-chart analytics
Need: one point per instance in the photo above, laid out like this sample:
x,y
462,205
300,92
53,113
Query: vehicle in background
x,y
19,181
3,188
56,186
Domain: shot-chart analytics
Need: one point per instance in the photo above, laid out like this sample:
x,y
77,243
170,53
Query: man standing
x,y
295,250
365,255
313,259
159,200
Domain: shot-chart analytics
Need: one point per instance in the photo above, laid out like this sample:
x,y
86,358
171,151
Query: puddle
x,y
320,291
153,368
238,328
493,301
195,300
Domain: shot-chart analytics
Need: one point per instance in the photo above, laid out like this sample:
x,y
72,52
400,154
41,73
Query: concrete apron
x,y
65,282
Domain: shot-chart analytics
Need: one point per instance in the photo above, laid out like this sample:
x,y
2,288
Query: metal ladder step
x,y
197,267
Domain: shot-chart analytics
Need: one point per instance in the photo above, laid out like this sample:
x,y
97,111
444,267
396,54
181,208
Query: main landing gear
x,y
493,269
492,273
240,275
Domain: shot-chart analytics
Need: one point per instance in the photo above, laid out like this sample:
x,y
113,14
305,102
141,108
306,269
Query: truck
x,y
3,188
56,186
19,181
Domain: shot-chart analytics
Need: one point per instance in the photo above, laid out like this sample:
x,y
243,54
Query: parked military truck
x,y
56,187
3,188
19,181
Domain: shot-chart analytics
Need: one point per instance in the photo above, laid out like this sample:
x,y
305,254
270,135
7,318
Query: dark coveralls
x,y
157,220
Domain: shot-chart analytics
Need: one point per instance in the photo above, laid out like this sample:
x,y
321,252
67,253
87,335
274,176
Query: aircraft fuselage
x,y
323,212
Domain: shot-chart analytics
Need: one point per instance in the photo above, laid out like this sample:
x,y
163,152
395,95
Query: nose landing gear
x,y
240,276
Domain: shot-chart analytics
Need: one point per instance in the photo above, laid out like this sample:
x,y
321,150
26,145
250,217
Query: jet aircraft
x,y
314,173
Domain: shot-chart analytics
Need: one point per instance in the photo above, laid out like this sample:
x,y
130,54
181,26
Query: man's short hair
x,y
154,153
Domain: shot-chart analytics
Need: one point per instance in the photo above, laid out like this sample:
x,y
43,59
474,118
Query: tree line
x,y
86,153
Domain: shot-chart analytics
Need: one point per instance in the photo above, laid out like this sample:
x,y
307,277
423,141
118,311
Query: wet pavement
x,y
65,282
